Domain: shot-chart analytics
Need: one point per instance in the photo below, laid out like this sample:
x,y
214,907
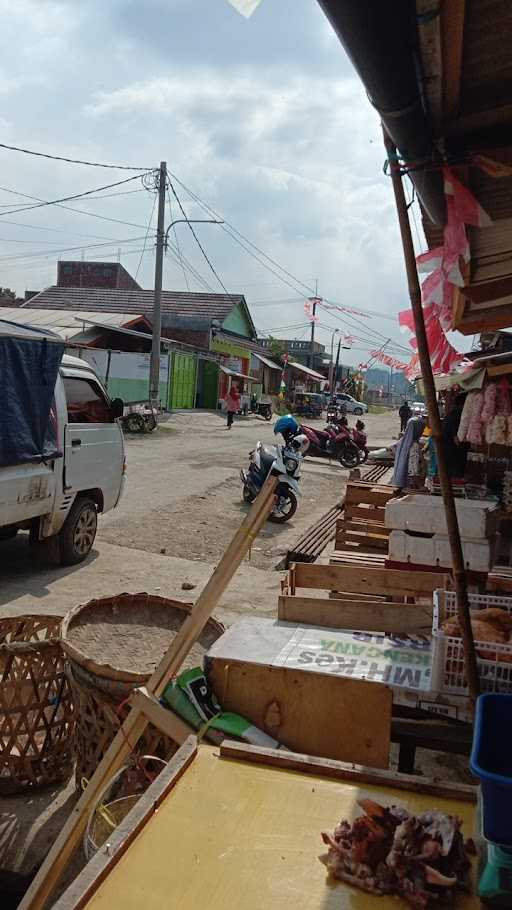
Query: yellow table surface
x,y
233,834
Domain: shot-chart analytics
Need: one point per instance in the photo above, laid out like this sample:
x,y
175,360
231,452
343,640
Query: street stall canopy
x,y
235,375
440,76
309,372
267,362
29,365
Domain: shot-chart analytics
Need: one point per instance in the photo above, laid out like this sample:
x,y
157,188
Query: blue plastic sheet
x,y
29,366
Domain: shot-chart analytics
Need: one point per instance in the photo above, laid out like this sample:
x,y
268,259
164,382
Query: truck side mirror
x,y
116,408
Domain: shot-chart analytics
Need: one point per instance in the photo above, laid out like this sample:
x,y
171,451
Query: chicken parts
x,y
388,851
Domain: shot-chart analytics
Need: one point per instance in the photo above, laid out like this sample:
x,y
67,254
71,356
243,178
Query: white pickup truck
x,y
61,497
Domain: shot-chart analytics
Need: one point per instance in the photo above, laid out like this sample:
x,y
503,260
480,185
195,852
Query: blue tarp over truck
x,y
29,364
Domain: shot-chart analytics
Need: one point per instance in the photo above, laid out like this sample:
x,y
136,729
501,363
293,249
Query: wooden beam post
x,y
132,729
459,571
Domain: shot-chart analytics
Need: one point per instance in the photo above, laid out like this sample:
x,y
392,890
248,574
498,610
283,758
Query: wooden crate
x,y
373,599
362,525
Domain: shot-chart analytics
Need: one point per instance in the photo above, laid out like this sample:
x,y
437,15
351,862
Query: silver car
x,y
351,405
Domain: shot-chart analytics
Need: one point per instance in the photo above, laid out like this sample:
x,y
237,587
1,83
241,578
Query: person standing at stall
x,y
232,402
405,414
408,468
456,452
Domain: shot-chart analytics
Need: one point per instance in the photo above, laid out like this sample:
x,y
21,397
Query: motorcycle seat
x,y
268,456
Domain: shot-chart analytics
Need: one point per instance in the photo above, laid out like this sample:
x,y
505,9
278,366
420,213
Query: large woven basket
x,y
36,708
113,645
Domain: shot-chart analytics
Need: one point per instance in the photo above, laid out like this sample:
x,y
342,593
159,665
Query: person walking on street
x,y
404,413
232,401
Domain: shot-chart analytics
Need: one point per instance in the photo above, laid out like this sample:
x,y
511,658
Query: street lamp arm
x,y
190,221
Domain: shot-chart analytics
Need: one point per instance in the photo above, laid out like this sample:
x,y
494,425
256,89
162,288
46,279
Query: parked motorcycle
x,y
285,461
359,437
357,433
141,419
263,408
333,442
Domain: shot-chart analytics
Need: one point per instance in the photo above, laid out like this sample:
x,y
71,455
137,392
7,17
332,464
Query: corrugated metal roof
x,y
308,370
71,325
174,303
267,362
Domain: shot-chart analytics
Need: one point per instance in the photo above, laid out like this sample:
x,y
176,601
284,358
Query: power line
x,y
68,249
146,237
196,238
227,224
38,205
69,208
190,268
176,241
115,167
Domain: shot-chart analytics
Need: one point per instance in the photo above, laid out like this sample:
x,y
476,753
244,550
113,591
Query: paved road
x,y
180,509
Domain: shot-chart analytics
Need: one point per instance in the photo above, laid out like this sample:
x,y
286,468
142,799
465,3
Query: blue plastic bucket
x,y
491,762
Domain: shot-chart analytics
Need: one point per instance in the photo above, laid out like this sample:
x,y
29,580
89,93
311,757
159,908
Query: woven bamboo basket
x,y
36,707
113,644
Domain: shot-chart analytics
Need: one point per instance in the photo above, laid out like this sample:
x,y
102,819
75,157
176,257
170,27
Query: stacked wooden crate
x,y
372,599
362,524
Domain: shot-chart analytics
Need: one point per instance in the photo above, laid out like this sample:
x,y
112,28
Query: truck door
x,y
94,452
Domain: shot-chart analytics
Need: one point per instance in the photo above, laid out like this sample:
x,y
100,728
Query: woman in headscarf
x,y
407,466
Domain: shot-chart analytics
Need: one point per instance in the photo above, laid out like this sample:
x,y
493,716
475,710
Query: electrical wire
x,y
69,208
185,276
146,237
69,249
38,205
196,238
115,167
299,286
228,227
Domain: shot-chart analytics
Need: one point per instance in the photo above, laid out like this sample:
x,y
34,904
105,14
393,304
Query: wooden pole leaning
x,y
459,571
132,729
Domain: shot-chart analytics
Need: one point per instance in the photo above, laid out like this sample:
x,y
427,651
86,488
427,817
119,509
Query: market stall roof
x,y
309,372
236,375
267,362
452,105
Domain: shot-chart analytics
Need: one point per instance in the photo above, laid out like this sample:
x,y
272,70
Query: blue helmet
x,y
286,425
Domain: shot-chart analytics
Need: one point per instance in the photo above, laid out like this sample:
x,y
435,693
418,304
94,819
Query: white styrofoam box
x,y
494,667
479,555
417,512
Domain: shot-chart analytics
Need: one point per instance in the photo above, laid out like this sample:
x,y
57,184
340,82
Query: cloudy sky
x,y
263,119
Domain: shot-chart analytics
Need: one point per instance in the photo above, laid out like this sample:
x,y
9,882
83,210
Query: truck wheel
x,y
78,532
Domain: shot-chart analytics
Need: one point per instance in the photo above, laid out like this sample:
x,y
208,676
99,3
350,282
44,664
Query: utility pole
x,y
154,370
315,301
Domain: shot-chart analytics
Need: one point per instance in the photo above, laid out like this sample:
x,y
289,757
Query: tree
x,y
276,347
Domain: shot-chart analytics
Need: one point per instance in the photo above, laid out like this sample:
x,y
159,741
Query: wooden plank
x,y
307,711
132,729
102,863
366,527
181,859
372,616
370,513
166,720
363,541
367,580
452,34
308,764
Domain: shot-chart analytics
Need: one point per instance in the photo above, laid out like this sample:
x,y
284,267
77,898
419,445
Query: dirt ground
x,y
181,507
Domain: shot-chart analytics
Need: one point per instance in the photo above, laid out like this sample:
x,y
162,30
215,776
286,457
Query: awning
x,y
268,363
235,375
470,381
307,370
